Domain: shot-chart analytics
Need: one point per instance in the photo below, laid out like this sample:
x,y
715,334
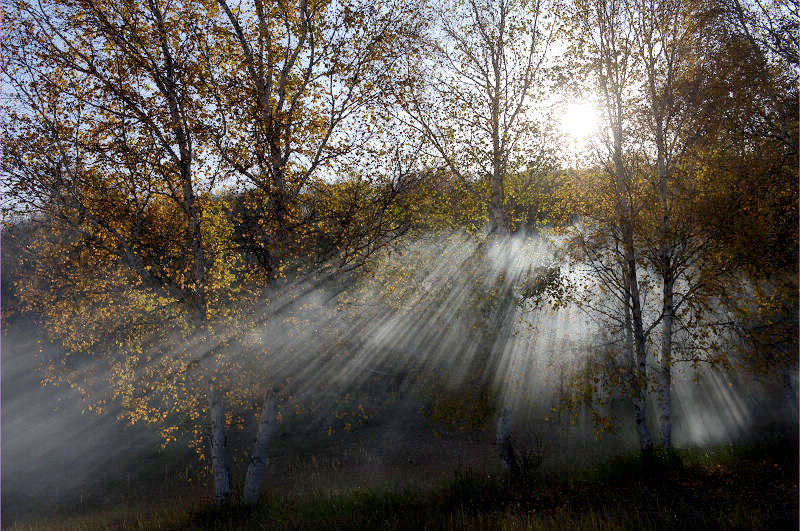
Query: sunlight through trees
x,y
236,215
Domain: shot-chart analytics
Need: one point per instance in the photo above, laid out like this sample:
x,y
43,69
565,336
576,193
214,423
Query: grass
x,y
743,487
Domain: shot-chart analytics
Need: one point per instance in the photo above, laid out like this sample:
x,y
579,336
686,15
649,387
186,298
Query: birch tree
x,y
481,78
679,45
668,42
604,49
125,129
306,94
482,75
685,101
106,138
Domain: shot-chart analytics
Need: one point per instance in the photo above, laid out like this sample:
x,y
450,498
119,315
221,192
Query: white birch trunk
x,y
667,272
258,456
219,449
665,402
638,369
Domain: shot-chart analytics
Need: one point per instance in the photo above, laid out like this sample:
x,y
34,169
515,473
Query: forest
x,y
399,264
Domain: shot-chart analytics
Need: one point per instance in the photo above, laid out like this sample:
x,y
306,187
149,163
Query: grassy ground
x,y
745,487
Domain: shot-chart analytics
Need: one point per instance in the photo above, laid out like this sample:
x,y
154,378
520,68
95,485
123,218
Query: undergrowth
x,y
742,487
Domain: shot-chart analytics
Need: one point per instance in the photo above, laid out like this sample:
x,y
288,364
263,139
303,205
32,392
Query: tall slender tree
x,y
483,73
483,70
604,48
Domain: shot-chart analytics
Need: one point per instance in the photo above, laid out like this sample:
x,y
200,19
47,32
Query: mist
x,y
406,366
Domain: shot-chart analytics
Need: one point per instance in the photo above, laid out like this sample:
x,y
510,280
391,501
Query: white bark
x,y
258,456
638,378
640,371
665,402
219,449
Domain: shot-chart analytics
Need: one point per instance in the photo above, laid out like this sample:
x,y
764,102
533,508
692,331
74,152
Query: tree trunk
x,y
258,456
494,340
665,419
505,446
219,449
497,219
660,112
638,397
640,349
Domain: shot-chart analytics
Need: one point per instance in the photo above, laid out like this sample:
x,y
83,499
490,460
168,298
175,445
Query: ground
x,y
750,486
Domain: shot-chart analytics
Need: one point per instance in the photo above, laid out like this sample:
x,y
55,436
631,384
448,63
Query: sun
x,y
580,120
